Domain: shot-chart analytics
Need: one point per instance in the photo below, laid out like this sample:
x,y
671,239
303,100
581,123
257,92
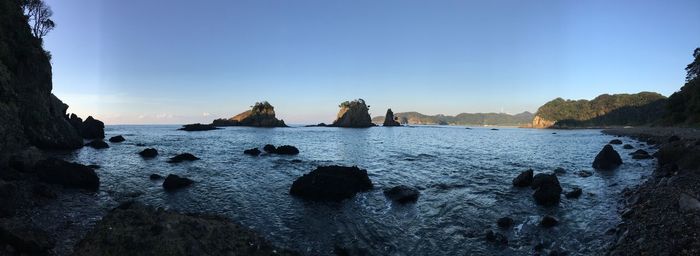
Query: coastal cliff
x,y
503,119
353,114
262,114
390,119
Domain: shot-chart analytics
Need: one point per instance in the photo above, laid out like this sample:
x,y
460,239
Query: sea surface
x,y
464,176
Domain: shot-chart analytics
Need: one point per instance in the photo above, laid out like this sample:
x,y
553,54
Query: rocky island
x,y
262,114
390,119
353,114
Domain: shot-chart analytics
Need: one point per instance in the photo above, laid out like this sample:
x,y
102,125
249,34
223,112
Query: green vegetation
x,y
262,107
462,119
605,110
348,104
684,106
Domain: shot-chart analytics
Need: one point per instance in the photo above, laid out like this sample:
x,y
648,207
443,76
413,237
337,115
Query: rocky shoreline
x,y
662,215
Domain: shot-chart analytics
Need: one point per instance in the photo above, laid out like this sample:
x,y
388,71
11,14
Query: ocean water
x,y
464,176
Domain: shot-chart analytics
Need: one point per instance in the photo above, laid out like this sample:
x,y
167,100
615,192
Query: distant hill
x,y
462,119
603,111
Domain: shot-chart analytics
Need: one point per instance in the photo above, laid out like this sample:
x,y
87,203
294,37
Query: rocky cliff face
x,y
353,114
29,112
390,120
539,122
262,114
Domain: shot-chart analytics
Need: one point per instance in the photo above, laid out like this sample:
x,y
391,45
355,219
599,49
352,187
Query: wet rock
x,y
149,153
641,154
494,129
252,152
674,138
688,203
390,119
547,189
331,183
296,161
25,239
548,221
505,222
607,159
574,193
97,144
584,173
628,146
93,128
496,238
67,174
615,142
269,148
174,182
402,194
560,171
183,157
524,179
198,127
287,150
155,177
117,139
135,229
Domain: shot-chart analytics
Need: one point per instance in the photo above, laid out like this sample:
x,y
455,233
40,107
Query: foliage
x,y
354,103
684,106
38,15
693,69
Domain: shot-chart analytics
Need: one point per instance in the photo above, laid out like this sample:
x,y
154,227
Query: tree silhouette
x,y
39,17
693,68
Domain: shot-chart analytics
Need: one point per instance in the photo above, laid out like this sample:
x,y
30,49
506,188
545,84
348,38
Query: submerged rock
x,y
198,127
183,157
331,183
547,189
117,139
402,194
560,171
67,174
135,229
628,146
615,142
353,114
155,177
149,153
575,193
287,150
97,144
607,159
252,152
262,114
174,182
505,222
496,238
548,221
524,179
390,119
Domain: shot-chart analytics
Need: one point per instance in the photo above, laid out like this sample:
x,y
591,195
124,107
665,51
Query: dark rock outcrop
x,y
286,150
607,159
183,157
615,142
353,114
97,144
198,127
524,179
135,229
390,119
117,139
71,175
252,152
93,128
174,182
547,189
505,222
402,194
628,146
641,154
574,193
24,238
262,114
269,148
155,177
149,153
331,183
548,221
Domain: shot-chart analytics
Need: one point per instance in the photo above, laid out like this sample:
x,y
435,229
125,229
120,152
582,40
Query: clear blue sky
x,y
135,61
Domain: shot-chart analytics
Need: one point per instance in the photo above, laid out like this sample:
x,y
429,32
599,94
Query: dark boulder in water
x,y
262,114
173,182
198,127
548,221
183,157
505,222
496,238
252,152
97,144
117,139
331,183
524,179
628,146
402,194
607,159
93,128
353,114
155,177
560,171
287,150
71,175
640,154
149,153
615,142
390,119
574,193
547,189
269,148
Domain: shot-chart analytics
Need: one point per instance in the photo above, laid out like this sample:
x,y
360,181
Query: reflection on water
x,y
464,176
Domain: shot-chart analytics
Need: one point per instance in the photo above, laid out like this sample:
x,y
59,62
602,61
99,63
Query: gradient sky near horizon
x,y
176,61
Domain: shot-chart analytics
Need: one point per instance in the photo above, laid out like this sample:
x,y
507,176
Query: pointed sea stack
x,y
353,114
390,119
262,114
